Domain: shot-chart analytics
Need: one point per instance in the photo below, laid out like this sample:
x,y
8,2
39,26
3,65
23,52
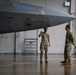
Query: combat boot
x,y
64,62
69,62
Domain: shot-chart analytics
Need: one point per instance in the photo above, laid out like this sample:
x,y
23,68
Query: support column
x,y
73,23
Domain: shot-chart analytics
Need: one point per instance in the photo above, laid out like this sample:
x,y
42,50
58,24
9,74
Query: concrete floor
x,y
30,65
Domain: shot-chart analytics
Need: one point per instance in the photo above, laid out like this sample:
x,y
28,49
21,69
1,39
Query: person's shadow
x,y
44,69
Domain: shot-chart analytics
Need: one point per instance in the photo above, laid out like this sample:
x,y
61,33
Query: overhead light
x,y
67,4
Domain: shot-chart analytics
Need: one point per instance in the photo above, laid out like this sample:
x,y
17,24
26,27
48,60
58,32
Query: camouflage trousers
x,y
43,46
67,52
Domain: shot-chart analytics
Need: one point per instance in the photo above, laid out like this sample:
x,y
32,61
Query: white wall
x,y
7,43
31,34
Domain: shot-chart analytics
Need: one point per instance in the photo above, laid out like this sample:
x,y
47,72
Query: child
x,y
69,41
45,42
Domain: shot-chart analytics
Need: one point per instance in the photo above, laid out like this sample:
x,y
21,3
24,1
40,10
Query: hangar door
x,y
31,41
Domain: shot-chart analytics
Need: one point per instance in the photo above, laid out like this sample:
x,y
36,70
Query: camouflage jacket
x,y
69,39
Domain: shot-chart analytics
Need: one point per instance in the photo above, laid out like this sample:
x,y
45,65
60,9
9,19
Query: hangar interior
x,y
19,51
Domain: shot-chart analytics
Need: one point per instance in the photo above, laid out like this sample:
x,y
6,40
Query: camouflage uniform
x,y
68,45
44,45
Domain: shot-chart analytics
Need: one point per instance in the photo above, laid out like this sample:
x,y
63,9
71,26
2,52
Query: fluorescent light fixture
x,y
67,4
